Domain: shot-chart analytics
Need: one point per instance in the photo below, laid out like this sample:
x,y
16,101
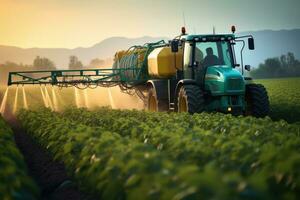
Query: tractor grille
x,y
235,84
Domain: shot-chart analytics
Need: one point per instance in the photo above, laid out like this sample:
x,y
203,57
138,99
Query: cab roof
x,y
209,37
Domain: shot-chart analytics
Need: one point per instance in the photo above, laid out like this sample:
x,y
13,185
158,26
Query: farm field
x,y
284,97
15,181
133,154
117,154
149,100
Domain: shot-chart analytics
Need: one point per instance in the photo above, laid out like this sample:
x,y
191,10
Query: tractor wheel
x,y
190,99
257,100
154,104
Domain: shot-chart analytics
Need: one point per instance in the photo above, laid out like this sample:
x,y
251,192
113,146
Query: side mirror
x,y
247,67
251,43
174,46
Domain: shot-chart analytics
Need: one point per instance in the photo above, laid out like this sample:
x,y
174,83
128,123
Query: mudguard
x,y
184,82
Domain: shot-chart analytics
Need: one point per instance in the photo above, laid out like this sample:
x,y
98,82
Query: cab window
x,y
214,53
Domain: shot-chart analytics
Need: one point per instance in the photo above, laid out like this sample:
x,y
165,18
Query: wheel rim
x,y
183,106
152,103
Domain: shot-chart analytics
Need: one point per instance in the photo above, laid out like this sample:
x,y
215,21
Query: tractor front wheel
x,y
257,100
190,99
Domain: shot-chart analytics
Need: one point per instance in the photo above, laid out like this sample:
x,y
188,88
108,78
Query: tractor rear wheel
x,y
257,100
190,99
154,103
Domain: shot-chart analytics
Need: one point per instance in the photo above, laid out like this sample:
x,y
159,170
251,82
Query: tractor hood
x,y
224,80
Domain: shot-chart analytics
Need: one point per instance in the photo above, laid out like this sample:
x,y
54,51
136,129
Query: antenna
x,y
183,16
214,30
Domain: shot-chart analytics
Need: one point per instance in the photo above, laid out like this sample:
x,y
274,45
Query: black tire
x,y
158,105
192,96
257,100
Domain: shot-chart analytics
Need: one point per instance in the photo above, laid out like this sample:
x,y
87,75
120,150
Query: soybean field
x,y
105,153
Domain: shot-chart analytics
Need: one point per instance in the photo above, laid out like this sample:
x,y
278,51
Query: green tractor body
x,y
227,88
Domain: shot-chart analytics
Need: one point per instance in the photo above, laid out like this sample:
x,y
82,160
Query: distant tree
x,y
40,63
291,61
283,66
74,63
283,60
97,63
8,66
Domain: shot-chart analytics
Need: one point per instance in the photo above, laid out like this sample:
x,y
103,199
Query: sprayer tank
x,y
163,63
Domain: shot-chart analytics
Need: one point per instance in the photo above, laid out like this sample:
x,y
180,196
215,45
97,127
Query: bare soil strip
x,y
50,175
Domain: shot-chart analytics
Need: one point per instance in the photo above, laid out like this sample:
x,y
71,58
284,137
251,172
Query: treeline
x,y
75,63
42,63
283,66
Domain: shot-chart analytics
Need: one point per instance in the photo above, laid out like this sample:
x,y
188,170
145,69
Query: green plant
x,y
284,96
133,154
15,183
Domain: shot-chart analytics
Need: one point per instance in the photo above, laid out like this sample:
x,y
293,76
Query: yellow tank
x,y
162,62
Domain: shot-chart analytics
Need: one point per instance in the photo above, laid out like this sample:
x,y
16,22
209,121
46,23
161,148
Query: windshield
x,y
213,53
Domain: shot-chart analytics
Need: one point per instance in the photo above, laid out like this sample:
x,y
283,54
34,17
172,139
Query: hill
x,y
268,44
104,49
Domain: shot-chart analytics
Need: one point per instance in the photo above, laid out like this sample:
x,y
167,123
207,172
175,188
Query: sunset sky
x,y
73,23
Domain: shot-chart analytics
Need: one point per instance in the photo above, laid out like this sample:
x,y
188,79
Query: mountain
x,y
268,43
60,56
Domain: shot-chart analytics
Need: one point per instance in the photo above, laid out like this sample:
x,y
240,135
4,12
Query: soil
x,y
49,175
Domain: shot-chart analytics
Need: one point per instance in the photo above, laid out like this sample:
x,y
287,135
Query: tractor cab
x,y
202,52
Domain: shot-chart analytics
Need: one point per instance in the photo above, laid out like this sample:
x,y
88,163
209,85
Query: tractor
x,y
190,73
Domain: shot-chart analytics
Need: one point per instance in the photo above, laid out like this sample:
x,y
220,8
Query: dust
x,y
32,97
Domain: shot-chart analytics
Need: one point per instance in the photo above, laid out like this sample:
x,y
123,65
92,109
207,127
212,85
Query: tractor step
x,y
172,106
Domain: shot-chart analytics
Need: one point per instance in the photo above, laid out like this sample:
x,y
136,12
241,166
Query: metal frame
x,y
82,76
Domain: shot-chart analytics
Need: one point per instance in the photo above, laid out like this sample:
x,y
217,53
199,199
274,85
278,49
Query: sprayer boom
x,y
65,78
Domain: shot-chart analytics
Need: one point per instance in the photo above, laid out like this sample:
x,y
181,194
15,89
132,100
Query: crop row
x,y
248,146
284,95
199,138
15,183
114,167
134,154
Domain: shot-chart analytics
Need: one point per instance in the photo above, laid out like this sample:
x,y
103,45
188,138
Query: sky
x,y
74,23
